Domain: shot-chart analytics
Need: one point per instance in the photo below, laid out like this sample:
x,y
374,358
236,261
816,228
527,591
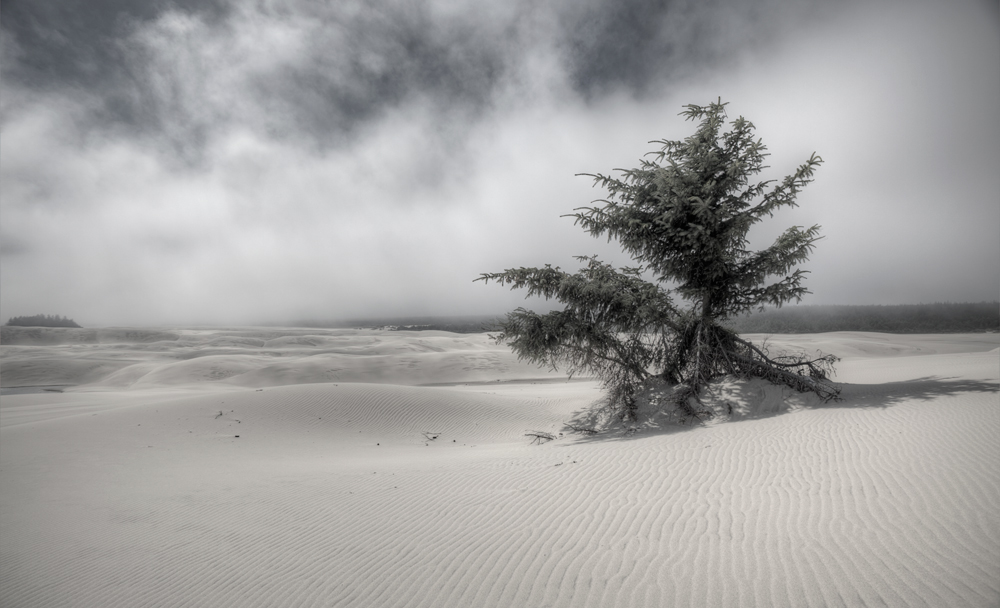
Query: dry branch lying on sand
x,y
540,437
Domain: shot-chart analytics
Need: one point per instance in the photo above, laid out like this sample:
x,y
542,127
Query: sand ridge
x,y
140,494
252,357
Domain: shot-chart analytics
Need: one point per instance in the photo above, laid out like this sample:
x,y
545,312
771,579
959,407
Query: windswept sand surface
x,y
391,469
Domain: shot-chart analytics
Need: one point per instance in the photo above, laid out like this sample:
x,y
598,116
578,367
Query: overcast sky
x,y
241,162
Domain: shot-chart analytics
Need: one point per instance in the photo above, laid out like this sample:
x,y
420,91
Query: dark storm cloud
x,y
357,60
638,45
152,66
385,55
69,44
344,69
71,48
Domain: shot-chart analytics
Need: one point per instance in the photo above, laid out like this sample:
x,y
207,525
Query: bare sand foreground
x,y
251,467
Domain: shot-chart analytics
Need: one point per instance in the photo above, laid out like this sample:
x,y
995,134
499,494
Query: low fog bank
x,y
940,317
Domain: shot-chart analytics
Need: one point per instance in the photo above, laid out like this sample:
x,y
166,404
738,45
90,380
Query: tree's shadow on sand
x,y
919,389
859,396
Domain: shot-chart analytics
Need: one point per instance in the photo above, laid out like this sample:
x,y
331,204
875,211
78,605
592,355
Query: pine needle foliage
x,y
683,215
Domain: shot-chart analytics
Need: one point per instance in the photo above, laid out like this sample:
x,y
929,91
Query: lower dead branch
x,y
539,437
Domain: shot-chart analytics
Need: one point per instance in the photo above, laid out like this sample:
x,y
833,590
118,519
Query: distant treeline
x,y
899,319
455,324
460,324
42,321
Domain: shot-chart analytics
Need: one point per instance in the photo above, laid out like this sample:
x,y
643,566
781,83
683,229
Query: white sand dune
x,y
252,357
350,485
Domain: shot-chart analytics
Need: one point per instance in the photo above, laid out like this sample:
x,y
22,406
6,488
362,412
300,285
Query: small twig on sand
x,y
539,437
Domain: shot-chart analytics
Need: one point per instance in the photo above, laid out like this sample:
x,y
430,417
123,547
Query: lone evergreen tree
x,y
683,215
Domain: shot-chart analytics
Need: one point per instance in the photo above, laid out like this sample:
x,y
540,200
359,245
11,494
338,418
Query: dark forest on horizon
x,y
803,319
898,319
42,321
